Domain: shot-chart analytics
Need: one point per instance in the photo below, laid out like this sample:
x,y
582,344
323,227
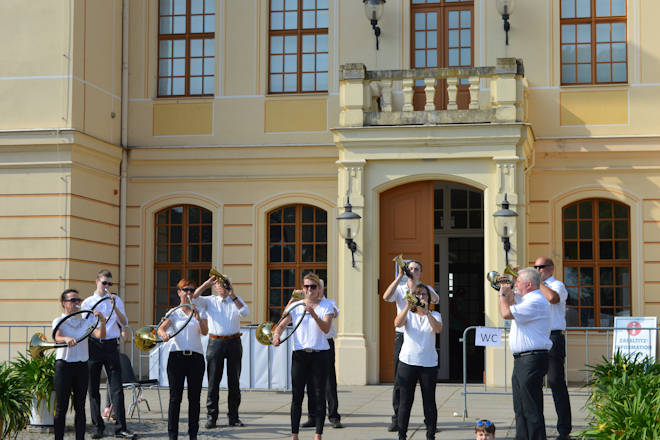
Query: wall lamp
x,y
373,9
505,224
505,9
349,225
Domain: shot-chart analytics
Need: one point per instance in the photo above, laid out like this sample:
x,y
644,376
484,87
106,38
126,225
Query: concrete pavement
x,y
365,410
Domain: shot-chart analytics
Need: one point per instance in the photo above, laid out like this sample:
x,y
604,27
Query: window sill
x,y
585,87
296,95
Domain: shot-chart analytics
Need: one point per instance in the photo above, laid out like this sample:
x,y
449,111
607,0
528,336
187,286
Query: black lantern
x,y
505,224
505,9
349,225
373,9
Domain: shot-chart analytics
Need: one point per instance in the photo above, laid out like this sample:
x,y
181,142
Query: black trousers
x,y
557,382
105,354
216,353
308,368
407,378
179,368
396,394
527,387
330,390
70,376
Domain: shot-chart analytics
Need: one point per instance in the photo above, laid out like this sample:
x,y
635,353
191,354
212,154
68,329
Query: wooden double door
x,y
439,224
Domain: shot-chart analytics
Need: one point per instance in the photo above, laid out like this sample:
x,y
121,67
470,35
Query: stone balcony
x,y
492,94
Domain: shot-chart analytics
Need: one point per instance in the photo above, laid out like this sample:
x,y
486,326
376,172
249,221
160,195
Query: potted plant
x,y
15,398
38,375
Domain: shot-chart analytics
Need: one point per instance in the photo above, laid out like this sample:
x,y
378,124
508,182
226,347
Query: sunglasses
x,y
188,289
486,423
106,283
73,300
310,286
541,266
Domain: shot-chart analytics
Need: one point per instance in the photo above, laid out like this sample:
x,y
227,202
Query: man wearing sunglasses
x,y
105,353
396,292
556,294
224,311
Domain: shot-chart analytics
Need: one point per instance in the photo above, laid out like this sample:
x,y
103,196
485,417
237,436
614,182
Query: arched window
x,y
297,244
183,249
596,242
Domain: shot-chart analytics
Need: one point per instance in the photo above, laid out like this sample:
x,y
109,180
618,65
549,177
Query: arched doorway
x,y
440,224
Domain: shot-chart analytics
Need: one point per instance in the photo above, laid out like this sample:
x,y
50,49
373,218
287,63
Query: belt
x,y
529,353
183,352
223,338
557,332
309,350
105,341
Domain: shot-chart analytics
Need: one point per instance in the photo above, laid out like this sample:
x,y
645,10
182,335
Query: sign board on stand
x,y
635,335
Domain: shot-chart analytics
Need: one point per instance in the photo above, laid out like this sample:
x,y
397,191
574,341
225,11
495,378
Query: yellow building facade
x,y
159,138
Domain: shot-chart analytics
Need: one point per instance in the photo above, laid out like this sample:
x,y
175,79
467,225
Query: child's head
x,y
484,430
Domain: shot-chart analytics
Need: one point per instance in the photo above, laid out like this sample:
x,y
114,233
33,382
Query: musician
x,y
224,312
71,373
104,352
186,360
397,293
331,385
529,339
309,361
418,359
556,294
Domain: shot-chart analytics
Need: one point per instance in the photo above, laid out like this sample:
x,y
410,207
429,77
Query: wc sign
x,y
633,335
488,336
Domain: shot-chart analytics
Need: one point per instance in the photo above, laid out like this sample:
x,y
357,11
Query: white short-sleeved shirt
x,y
530,328
333,332
557,311
399,297
223,315
190,337
112,328
74,327
309,334
419,341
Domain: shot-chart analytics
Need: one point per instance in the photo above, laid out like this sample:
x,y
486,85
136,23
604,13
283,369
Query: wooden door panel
x,y
406,227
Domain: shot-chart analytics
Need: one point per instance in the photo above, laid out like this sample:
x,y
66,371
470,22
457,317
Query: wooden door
x,y
406,227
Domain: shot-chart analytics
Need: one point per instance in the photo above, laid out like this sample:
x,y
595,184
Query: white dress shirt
x,y
190,337
399,296
309,334
419,341
112,328
333,332
74,327
557,311
223,315
530,328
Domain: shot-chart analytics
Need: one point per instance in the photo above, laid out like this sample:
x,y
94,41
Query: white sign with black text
x,y
488,336
633,335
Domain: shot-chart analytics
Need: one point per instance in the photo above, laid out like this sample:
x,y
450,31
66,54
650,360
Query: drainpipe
x,y
124,153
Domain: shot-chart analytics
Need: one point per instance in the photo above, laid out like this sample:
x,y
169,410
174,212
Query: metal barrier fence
x,y
600,338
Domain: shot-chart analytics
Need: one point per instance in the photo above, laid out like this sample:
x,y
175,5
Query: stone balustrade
x,y
385,97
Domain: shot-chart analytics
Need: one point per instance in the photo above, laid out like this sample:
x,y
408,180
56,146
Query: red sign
x,y
634,328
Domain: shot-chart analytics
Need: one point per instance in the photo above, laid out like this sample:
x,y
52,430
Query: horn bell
x,y
39,344
145,338
264,333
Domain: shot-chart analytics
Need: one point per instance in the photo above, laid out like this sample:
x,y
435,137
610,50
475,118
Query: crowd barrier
x,y
596,342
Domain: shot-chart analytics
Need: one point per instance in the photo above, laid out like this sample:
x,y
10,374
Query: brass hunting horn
x,y
39,344
146,337
105,298
264,332
223,278
495,278
403,266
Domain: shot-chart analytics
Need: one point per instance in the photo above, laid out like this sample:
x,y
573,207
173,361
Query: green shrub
x,y
15,399
38,375
625,399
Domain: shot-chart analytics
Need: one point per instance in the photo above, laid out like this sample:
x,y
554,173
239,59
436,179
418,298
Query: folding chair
x,y
129,381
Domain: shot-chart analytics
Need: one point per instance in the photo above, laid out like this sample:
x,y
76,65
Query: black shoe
x,y
336,424
309,424
98,433
236,422
125,434
210,423
393,427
